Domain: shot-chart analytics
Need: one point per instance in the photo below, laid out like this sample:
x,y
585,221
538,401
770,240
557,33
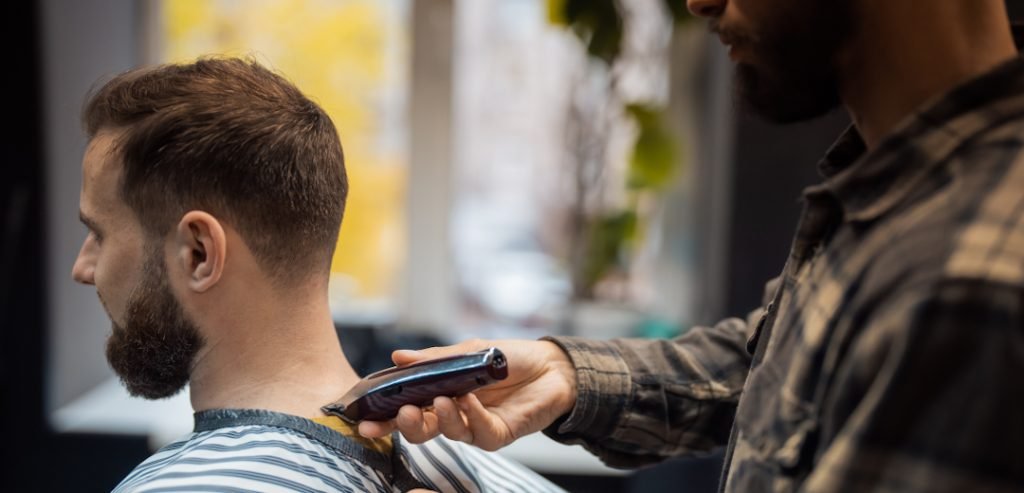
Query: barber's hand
x,y
540,387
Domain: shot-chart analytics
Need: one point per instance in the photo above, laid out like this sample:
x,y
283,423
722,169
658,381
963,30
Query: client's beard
x,y
153,351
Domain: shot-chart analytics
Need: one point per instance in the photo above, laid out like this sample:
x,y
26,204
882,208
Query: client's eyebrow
x,y
88,222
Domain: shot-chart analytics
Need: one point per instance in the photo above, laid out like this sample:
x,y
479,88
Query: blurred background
x,y
518,168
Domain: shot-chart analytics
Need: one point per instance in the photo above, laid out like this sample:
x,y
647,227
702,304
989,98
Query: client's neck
x,y
278,356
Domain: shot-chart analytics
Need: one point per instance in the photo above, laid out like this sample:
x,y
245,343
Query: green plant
x,y
606,239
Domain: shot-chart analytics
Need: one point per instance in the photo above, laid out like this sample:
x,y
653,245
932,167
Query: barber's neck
x,y
908,52
269,350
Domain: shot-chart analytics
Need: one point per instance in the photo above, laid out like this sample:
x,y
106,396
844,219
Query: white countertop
x,y
109,409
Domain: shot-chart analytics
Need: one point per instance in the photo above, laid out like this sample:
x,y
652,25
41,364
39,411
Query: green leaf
x,y
607,244
680,13
597,24
556,12
652,165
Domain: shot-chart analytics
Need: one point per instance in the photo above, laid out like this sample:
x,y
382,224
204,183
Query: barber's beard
x,y
153,351
794,76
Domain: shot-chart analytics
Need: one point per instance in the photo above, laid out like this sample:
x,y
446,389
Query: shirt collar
x,y
868,184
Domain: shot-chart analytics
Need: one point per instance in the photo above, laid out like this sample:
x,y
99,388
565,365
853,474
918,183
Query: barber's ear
x,y
201,248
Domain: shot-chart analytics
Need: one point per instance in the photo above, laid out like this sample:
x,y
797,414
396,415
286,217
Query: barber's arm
x,y
642,401
630,402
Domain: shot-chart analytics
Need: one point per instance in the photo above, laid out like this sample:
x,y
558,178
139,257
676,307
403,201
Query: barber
x,y
889,355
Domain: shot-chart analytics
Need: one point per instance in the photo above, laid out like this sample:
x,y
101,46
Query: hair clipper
x,y
380,395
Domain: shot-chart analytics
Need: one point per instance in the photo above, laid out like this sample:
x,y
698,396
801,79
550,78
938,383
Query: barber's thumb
x,y
404,357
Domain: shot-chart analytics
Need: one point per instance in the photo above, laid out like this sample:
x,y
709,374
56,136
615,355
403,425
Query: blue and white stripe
x,y
446,466
275,457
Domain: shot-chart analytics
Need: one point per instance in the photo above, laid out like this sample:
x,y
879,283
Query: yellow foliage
x,y
336,52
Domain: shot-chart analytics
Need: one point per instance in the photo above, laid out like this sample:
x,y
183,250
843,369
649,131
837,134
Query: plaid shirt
x,y
889,355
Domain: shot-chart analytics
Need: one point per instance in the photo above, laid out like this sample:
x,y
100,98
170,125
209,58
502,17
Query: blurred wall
x,y
36,458
81,41
22,288
772,166
1016,8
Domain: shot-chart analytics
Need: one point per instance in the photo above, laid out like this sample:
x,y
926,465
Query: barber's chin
x,y
739,53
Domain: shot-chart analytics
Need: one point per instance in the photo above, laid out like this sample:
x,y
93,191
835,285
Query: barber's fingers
x,y
450,420
376,429
417,425
489,431
467,420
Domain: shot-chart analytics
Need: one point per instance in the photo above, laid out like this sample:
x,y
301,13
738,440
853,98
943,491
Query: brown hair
x,y
231,137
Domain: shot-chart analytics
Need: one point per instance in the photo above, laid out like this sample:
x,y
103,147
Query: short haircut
x,y
230,137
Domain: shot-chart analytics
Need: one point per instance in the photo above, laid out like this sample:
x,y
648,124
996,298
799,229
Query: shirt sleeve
x,y
930,396
640,401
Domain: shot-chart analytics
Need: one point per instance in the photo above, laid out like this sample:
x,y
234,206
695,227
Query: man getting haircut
x,y
213,192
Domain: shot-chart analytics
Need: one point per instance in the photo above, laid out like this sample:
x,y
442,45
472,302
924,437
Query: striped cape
x,y
255,450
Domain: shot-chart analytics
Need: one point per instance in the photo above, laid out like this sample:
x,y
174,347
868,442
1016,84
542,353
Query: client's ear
x,y
200,249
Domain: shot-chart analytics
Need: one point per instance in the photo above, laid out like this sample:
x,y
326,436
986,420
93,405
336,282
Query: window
x,y
351,57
